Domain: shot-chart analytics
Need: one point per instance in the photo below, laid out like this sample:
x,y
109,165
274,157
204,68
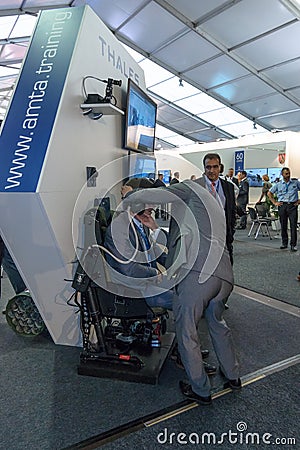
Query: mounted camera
x,y
109,90
96,98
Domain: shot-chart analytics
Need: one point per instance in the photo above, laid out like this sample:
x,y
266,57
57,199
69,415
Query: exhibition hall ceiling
x,y
217,69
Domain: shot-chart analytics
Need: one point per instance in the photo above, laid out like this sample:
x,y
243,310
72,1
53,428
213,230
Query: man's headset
x,y
137,183
137,208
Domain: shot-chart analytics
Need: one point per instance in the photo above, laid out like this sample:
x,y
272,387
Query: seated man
x,y
134,254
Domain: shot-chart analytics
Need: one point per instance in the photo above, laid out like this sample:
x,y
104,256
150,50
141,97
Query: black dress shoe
x,y
188,392
235,385
205,353
282,247
209,368
293,248
232,384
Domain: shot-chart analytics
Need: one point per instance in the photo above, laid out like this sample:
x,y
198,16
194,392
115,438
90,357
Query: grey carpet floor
x,y
262,267
45,405
263,415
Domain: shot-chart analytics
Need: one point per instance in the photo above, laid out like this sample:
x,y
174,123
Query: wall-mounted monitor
x,y
140,120
142,166
274,174
254,176
167,175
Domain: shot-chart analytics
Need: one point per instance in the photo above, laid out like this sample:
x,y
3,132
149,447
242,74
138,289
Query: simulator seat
x,y
122,336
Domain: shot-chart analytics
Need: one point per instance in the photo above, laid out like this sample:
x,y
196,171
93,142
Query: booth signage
x,y
29,122
239,160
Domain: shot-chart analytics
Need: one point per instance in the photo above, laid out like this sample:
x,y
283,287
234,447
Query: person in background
x,y
193,177
264,191
159,182
224,191
243,199
161,210
175,179
235,186
230,177
287,201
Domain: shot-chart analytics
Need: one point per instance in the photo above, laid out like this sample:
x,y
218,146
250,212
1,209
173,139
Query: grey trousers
x,y
193,300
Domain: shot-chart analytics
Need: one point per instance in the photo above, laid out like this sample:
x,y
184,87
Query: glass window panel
x,y
5,71
13,51
243,128
7,82
135,55
199,103
44,3
154,73
171,90
223,116
180,140
24,26
11,4
6,25
163,132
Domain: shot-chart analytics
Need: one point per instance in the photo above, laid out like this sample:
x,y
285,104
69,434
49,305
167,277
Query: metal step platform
x,y
152,364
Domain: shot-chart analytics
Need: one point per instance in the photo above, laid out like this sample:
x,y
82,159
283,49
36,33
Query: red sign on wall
x,y
281,158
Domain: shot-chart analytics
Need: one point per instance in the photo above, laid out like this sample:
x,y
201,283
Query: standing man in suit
x,y
161,209
199,265
287,202
175,179
235,187
230,177
243,199
159,182
223,191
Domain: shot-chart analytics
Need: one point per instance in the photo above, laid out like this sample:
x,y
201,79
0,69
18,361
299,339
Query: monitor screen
x,y
254,176
274,174
167,175
142,166
140,120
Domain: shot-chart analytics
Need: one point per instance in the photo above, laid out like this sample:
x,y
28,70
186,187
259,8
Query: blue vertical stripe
x,y
28,125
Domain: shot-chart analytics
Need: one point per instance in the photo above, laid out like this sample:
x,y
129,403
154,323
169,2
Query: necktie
x,y
145,238
213,188
147,246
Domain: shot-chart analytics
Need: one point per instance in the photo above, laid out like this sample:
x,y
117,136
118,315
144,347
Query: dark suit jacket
x,y
174,181
159,183
230,211
243,197
233,179
121,241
